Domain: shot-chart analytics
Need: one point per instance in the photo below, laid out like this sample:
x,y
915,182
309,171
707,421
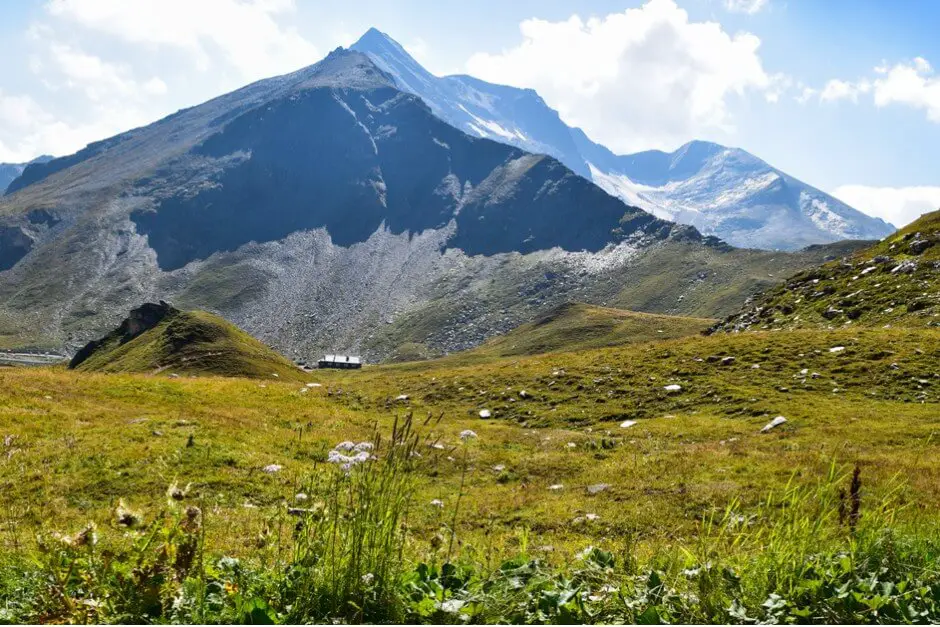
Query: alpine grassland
x,y
634,483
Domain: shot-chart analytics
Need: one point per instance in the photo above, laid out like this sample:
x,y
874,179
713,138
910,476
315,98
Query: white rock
x,y
627,423
673,387
556,487
836,349
314,385
272,468
776,422
485,413
401,397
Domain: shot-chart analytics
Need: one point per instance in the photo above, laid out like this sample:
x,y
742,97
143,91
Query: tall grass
x,y
349,546
830,552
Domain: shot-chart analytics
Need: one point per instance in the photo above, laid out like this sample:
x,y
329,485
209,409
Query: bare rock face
x,y
140,320
144,318
15,243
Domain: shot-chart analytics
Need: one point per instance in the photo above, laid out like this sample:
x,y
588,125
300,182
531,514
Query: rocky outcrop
x,y
140,320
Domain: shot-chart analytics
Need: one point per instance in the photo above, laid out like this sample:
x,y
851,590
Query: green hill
x,y
160,338
578,326
894,282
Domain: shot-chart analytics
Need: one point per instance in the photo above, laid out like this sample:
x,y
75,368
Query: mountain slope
x,y
10,171
577,326
326,210
893,283
725,192
161,338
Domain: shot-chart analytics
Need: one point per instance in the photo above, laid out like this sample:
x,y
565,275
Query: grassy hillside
x,y
86,439
895,282
580,449
193,342
578,326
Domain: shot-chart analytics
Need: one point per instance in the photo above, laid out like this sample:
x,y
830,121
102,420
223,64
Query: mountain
x,y
722,191
10,171
159,338
896,282
327,210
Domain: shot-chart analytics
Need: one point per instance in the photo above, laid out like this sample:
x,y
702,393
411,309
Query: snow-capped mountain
x,y
722,191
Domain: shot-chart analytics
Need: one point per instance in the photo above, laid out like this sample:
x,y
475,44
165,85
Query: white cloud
x,y
898,205
843,90
28,130
806,94
104,66
912,84
244,33
908,83
746,6
647,77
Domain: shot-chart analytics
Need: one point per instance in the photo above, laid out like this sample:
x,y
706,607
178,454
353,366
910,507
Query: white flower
x,y
272,468
363,446
437,503
300,496
453,606
345,446
467,434
368,578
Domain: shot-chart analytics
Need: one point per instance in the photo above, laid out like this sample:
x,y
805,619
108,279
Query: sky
x,y
842,94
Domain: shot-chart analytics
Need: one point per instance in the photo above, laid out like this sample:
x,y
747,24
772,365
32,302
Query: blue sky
x,y
842,95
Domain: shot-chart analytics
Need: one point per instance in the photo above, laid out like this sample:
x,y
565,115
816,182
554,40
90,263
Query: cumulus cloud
x,y
746,6
27,129
911,83
898,205
105,66
647,77
244,34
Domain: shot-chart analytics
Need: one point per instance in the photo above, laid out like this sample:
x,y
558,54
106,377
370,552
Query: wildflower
x,y
86,537
453,606
300,496
467,434
368,578
437,503
175,493
345,446
272,468
125,517
193,519
363,446
584,554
